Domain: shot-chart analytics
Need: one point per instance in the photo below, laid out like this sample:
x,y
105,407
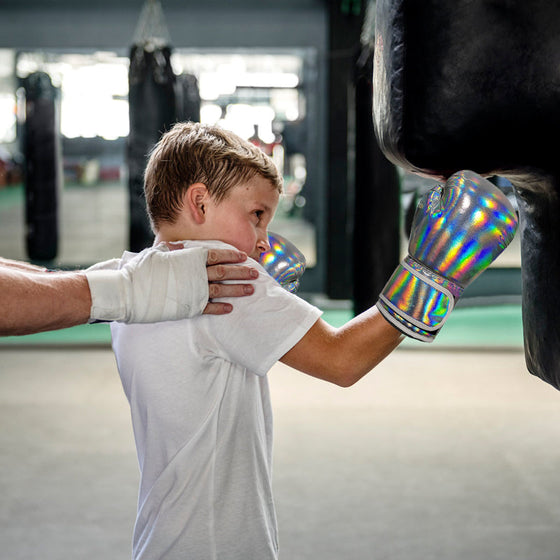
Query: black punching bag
x,y
475,84
188,98
152,110
41,149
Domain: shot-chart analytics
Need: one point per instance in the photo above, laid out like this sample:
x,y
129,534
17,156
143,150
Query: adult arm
x,y
344,355
33,300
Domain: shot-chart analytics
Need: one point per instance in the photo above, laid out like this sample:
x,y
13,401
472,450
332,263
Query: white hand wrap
x,y
155,285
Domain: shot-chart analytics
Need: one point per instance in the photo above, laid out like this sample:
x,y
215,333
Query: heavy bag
x,y
42,167
473,84
187,98
152,111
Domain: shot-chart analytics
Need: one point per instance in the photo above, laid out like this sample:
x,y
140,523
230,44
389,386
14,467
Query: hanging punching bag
x,y
474,84
151,100
41,149
188,98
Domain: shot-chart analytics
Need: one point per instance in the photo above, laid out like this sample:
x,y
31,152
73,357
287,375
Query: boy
x,y
198,389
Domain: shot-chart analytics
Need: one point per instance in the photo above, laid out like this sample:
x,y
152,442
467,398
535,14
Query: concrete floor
x,y
434,455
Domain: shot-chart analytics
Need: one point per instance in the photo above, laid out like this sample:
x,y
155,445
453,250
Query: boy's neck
x,y
171,233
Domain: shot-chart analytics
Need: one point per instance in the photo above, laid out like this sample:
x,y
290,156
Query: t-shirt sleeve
x,y
264,326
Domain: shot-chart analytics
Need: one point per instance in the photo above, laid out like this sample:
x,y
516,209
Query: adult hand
x,y
221,265
166,282
33,300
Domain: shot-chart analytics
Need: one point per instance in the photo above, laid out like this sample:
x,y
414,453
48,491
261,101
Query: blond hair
x,y
197,153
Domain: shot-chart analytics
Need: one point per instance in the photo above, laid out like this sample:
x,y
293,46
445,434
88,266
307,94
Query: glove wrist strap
x,y
418,300
432,278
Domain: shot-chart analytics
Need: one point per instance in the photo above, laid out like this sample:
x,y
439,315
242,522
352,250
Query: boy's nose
x,y
263,244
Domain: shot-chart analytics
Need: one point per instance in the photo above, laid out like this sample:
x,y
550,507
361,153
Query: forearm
x,y
362,344
31,301
344,355
18,265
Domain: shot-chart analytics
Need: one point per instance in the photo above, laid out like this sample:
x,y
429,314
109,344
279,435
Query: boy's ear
x,y
195,200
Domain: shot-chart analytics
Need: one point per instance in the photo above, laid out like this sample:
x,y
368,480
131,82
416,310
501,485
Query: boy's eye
x,y
258,214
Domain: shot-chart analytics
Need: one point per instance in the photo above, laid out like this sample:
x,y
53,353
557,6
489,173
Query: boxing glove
x,y
284,262
458,229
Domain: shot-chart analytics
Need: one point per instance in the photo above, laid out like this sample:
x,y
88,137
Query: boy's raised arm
x,y
344,355
458,230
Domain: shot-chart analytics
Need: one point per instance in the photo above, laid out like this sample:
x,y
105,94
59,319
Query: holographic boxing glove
x,y
459,228
284,262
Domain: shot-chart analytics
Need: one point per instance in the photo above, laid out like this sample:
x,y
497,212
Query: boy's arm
x,y
459,228
344,355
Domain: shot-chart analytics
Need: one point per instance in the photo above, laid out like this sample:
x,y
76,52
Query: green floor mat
x,y
498,326
490,327
11,197
479,327
98,334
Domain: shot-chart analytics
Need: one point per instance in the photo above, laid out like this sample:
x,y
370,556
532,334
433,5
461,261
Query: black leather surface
x,y
475,84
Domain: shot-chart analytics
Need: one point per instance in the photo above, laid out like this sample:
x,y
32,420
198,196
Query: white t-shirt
x,y
202,422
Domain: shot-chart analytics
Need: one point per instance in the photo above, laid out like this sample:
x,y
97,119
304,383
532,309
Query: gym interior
x,y
446,450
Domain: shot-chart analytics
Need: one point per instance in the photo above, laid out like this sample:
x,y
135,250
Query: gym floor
x,y
440,453
446,450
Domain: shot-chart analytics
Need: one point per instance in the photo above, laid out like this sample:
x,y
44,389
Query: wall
x,y
110,25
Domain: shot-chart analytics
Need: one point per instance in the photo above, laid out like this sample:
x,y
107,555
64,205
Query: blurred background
x,y
287,76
